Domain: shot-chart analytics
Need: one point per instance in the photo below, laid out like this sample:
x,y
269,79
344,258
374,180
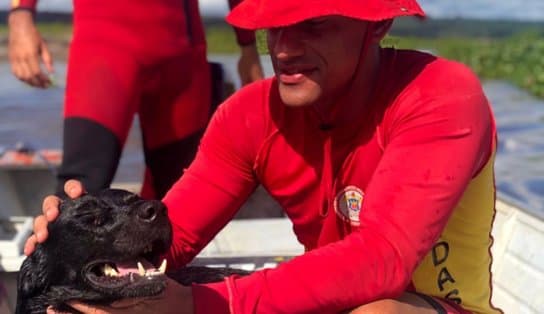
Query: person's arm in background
x,y
249,64
27,49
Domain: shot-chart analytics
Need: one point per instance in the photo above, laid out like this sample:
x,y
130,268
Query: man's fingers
x,y
48,63
26,67
40,228
38,77
16,68
39,236
132,303
30,245
50,310
119,306
46,58
34,65
24,71
45,80
50,207
29,75
73,188
84,308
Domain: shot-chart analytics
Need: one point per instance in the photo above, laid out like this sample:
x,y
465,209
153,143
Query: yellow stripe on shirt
x,y
458,266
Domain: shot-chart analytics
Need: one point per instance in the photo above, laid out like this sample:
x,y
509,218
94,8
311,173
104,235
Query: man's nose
x,y
286,42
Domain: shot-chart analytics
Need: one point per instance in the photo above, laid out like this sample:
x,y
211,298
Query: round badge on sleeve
x,y
348,203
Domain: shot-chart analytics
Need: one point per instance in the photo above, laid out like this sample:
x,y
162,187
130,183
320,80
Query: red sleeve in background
x,y
24,4
244,37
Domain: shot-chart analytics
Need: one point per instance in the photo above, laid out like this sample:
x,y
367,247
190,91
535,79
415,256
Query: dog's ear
x,y
33,277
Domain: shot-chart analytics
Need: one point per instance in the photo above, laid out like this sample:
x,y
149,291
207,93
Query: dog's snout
x,y
147,212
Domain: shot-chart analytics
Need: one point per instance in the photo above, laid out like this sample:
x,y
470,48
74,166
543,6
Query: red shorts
x,y
107,85
119,68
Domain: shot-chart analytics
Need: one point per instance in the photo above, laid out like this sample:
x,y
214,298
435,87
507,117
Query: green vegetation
x,y
518,59
55,29
221,39
512,51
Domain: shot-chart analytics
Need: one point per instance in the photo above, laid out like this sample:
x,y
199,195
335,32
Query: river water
x,y
34,116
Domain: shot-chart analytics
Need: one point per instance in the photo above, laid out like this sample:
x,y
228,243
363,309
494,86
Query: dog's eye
x,y
93,219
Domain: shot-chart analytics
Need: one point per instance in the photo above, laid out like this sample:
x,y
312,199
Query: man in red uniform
x,y
381,158
126,57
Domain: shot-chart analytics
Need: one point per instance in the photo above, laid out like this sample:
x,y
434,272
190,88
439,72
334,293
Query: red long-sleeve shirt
x,y
394,171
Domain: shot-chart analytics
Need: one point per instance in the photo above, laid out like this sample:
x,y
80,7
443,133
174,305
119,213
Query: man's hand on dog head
x,y
175,299
50,209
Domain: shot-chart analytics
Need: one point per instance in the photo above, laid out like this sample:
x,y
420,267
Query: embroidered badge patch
x,y
348,203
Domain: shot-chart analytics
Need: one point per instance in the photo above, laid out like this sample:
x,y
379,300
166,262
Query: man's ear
x,y
380,29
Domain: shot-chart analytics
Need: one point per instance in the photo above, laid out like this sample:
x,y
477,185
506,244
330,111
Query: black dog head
x,y
92,253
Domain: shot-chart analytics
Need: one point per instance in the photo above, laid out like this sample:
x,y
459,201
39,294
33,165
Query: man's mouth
x,y
294,74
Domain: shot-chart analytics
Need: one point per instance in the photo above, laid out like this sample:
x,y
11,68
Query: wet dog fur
x,y
93,235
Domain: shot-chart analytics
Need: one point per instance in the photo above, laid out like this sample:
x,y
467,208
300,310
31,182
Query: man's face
x,y
315,60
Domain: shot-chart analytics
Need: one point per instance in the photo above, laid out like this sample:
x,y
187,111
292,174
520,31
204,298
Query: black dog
x,y
94,250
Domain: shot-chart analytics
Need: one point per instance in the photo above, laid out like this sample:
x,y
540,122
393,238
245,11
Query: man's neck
x,y
359,93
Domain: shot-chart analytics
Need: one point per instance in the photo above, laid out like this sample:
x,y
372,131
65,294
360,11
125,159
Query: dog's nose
x,y
148,212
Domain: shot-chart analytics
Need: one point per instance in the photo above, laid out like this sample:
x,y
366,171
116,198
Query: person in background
x,y
127,57
382,159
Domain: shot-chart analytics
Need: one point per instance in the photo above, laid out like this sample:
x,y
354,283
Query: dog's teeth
x,y
110,271
131,277
152,273
141,269
162,269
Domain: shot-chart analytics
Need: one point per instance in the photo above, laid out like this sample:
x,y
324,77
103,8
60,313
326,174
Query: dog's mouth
x,y
129,278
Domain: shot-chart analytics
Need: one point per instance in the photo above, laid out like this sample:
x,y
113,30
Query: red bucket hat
x,y
259,14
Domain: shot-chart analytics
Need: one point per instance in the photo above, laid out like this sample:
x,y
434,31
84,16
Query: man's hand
x,y
176,299
50,209
27,49
249,65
